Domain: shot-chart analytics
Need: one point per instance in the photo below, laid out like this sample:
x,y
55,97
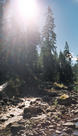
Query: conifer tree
x,y
66,72
67,53
48,48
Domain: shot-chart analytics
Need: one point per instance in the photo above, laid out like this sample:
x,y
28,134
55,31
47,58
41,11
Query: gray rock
x,y
69,124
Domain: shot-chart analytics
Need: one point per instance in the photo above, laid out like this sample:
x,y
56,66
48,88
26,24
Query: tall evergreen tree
x,y
67,53
48,48
48,35
66,73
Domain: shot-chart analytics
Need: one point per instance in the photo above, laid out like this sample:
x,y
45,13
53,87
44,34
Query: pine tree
x,y
66,72
48,34
67,53
48,48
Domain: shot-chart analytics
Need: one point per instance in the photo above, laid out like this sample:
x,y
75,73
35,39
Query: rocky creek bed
x,y
47,115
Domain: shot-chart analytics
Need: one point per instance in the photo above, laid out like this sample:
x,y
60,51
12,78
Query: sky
x,y
66,21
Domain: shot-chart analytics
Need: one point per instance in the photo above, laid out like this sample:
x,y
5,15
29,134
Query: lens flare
x,y
27,8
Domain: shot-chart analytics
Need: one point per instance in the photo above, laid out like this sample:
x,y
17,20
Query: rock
x,y
48,122
58,132
39,117
38,99
3,119
50,109
51,127
77,105
32,111
21,122
43,124
21,106
69,124
64,100
76,111
49,114
30,134
67,130
65,134
75,120
16,128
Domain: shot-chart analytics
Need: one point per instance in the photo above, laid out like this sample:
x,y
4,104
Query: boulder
x,y
32,111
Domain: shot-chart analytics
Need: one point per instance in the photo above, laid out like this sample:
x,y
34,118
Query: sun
x,y
27,8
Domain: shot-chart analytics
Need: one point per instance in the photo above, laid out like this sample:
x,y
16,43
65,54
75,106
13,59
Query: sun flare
x,y
27,8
